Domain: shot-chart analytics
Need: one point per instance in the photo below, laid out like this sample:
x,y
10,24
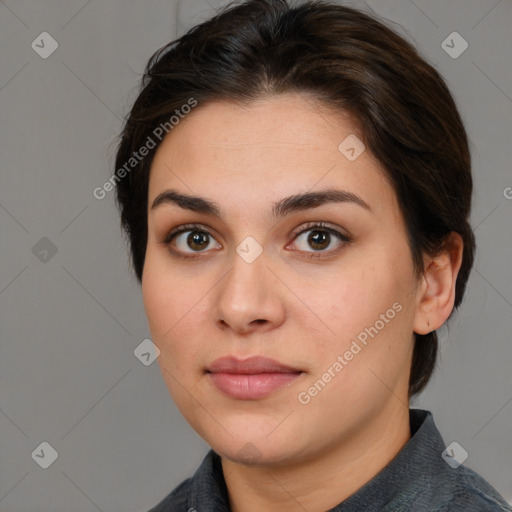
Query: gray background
x,y
70,321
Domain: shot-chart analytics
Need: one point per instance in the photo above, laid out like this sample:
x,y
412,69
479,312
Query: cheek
x,y
172,308
156,301
366,307
164,298
354,299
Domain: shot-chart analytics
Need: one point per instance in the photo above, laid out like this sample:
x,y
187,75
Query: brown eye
x,y
319,238
197,241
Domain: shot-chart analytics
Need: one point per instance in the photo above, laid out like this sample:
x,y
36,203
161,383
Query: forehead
x,y
266,150
288,122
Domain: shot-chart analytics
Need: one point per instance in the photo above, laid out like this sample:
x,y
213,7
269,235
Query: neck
x,y
323,482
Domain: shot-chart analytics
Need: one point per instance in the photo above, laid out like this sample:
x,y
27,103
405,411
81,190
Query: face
x,y
323,286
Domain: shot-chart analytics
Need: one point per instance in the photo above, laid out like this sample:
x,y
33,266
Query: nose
x,y
249,297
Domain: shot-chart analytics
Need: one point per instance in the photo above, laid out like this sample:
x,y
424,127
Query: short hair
x,y
352,63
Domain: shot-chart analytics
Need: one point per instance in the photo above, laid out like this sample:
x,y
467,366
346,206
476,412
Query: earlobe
x,y
436,295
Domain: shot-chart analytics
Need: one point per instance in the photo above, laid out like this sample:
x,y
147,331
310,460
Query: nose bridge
x,y
245,281
246,293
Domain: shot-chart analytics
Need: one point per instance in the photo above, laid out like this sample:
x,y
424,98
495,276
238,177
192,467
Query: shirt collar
x,y
419,456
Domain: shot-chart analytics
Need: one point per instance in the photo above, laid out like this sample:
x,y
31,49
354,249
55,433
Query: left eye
x,y
319,238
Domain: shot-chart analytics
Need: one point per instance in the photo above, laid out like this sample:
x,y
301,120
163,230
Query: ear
x,y
436,293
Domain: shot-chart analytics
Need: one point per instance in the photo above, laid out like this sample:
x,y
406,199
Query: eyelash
x,y
311,226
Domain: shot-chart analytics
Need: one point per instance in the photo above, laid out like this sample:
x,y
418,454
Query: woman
x,y
295,185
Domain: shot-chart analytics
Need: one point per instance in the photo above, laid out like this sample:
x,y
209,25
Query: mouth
x,y
252,378
250,366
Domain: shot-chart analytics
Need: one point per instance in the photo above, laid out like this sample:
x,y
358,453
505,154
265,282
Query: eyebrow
x,y
293,203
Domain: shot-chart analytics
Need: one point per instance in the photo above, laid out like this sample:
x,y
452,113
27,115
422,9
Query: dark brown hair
x,y
352,63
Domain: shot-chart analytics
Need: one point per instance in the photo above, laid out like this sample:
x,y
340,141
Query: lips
x,y
252,378
250,366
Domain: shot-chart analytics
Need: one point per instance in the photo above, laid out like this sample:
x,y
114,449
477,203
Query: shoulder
x,y
175,501
470,492
426,481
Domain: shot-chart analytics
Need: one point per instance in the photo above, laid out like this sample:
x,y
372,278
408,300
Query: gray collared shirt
x,y
417,479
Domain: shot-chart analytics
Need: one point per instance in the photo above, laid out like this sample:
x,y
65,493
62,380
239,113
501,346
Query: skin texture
x,y
304,312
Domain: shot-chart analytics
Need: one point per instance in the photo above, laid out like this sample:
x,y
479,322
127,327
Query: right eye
x,y
197,240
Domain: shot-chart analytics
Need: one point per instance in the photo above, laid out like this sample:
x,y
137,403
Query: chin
x,y
254,445
248,453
